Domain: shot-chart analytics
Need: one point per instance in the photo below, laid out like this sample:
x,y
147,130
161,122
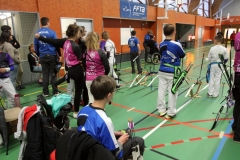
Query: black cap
x,y
5,28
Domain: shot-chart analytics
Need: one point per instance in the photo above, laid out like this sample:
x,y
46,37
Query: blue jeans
x,y
13,74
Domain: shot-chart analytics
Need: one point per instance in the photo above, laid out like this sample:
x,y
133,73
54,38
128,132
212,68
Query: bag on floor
x,y
56,102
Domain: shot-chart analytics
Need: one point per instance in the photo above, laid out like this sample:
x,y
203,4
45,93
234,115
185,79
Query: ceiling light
x,y
4,15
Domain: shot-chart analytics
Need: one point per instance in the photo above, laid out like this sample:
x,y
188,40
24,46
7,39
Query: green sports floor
x,y
186,137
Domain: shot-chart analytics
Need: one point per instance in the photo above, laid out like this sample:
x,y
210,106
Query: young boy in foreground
x,y
93,120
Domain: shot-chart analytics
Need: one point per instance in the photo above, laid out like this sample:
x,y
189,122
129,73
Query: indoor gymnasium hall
x,y
70,87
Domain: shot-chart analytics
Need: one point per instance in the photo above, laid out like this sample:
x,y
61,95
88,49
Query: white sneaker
x,y
75,115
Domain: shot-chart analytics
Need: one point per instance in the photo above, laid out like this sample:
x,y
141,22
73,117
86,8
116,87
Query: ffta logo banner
x,y
132,10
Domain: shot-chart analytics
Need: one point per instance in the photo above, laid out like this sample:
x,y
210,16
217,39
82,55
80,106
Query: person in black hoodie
x,y
152,44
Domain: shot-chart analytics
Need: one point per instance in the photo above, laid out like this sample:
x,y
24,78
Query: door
x,y
65,22
88,24
200,34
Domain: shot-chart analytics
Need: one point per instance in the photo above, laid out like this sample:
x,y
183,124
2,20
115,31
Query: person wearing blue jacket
x,y
135,51
171,54
48,56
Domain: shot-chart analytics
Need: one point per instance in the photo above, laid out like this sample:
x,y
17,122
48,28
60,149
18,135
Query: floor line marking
x,y
174,124
221,134
159,125
175,121
172,120
183,141
41,90
222,142
163,154
131,109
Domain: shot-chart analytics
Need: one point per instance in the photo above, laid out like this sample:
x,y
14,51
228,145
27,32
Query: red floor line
x,y
183,141
174,124
171,120
195,139
177,142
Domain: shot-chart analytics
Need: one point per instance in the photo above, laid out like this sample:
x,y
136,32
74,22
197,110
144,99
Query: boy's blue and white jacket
x,y
171,52
96,123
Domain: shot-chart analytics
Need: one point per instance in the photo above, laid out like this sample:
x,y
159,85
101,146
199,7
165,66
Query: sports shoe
x,y
209,95
118,86
162,114
75,115
21,87
45,95
18,88
236,141
169,117
57,93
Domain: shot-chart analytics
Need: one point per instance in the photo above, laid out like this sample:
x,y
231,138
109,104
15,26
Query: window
x,y
184,7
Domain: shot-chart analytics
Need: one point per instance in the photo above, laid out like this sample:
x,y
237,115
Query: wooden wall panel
x,y
173,18
23,5
236,20
192,6
215,6
113,27
151,13
96,10
59,8
203,22
207,33
111,8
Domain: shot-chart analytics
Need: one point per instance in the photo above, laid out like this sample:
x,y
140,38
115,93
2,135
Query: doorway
x,y
87,23
23,25
200,35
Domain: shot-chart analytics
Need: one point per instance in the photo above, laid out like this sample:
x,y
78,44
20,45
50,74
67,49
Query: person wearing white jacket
x,y
215,71
110,50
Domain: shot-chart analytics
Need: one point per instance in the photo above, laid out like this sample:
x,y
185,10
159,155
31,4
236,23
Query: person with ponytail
x,y
96,61
73,59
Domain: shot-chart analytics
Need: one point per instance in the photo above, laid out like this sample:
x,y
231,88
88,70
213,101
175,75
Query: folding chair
x,y
10,116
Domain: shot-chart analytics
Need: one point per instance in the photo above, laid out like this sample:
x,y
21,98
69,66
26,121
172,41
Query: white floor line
x,y
160,124
131,109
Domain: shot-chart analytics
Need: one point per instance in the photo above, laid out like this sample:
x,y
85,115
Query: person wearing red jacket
x,y
232,37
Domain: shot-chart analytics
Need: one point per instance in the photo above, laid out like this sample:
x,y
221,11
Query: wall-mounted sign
x,y
132,10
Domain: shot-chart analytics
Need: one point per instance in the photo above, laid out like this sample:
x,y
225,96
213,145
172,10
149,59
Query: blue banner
x,y
132,10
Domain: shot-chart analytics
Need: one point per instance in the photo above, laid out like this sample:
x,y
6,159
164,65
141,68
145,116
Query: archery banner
x,y
132,10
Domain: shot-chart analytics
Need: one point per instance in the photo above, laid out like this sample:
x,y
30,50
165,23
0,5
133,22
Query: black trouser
x,y
127,151
147,50
236,110
132,56
85,92
76,73
232,42
48,63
